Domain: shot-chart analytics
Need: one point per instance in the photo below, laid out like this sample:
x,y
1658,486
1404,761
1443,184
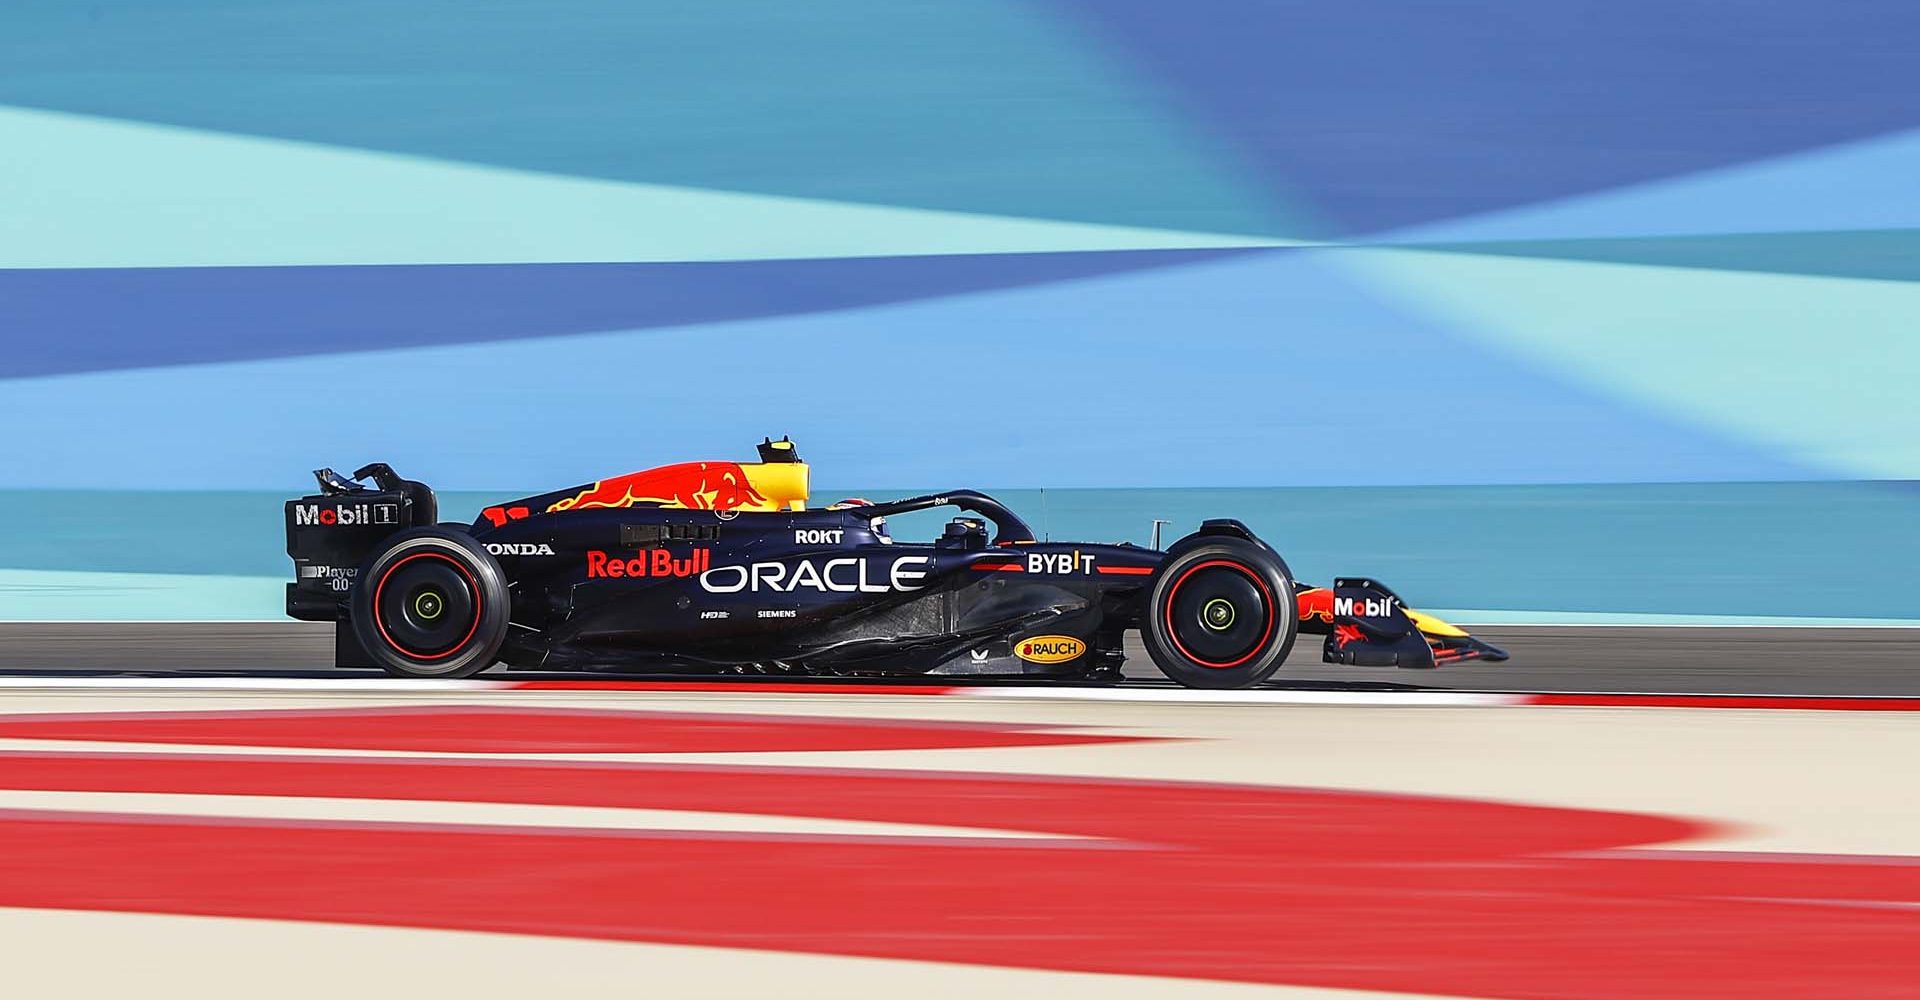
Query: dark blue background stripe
x,y
63,320
1385,114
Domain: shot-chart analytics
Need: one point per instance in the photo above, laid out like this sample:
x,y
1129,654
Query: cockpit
x,y
961,532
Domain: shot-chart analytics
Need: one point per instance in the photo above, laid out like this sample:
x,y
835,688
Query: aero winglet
x,y
1367,625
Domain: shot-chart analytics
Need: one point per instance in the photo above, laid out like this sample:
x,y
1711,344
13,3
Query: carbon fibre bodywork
x,y
720,567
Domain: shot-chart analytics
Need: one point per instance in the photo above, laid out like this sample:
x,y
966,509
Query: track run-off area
x,y
221,825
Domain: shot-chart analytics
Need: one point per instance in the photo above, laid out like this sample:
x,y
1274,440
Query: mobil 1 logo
x,y
343,515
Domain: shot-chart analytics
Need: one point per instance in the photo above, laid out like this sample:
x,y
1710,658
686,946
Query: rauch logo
x,y
1049,649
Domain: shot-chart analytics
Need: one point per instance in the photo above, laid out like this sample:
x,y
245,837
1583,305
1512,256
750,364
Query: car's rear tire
x,y
1220,613
431,602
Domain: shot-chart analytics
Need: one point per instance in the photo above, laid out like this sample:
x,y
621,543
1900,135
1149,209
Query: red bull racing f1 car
x,y
723,567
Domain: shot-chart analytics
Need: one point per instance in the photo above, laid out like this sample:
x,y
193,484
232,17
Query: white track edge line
x,y
1190,696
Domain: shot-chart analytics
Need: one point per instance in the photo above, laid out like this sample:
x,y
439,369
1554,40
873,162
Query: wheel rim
x,y
427,606
1219,613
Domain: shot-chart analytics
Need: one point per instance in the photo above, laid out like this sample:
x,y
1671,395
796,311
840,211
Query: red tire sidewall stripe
x,y
479,606
1272,613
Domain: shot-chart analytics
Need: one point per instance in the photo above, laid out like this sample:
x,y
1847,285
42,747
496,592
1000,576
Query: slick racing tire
x,y
1220,613
431,603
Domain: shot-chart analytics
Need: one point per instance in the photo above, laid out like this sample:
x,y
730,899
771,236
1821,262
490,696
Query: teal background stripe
x,y
1641,552
990,106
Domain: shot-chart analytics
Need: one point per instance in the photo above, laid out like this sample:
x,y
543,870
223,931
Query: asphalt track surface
x,y
1678,659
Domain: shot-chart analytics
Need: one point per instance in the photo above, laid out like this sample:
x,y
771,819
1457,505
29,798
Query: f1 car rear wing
x,y
330,533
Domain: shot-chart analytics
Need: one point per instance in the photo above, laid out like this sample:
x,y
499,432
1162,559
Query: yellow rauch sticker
x,y
1049,648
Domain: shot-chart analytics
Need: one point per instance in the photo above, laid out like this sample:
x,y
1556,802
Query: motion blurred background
x,y
1556,310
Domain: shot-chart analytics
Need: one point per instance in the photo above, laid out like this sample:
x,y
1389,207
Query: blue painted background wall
x,y
1096,244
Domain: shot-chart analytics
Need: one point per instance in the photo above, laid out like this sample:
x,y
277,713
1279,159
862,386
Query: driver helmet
x,y
879,524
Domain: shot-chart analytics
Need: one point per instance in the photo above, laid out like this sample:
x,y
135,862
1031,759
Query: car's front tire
x,y
1220,613
431,602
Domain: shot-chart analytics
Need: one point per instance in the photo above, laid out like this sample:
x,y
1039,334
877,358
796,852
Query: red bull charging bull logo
x,y
721,486
1315,603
